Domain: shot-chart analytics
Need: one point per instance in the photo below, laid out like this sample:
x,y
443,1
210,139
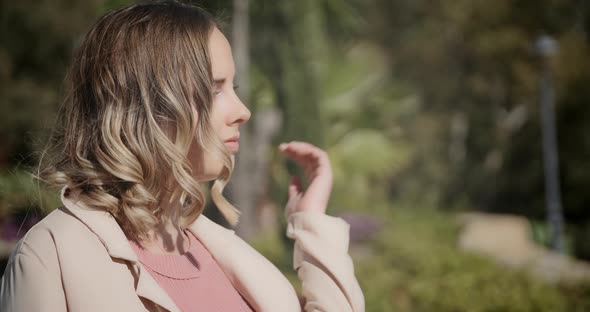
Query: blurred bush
x,y
22,203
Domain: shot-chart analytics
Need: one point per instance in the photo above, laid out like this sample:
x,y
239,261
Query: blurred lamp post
x,y
545,48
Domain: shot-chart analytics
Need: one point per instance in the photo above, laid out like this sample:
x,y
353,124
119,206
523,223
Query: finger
x,y
318,172
299,148
291,206
303,149
305,154
312,159
294,186
307,162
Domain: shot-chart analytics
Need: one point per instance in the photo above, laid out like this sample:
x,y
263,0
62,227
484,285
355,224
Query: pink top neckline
x,y
183,266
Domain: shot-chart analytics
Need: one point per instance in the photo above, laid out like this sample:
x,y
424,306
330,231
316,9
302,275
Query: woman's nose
x,y
243,113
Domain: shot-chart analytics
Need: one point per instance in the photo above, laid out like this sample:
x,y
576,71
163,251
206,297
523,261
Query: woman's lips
x,y
232,146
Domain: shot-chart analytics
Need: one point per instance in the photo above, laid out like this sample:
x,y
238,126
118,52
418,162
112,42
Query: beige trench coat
x,y
77,259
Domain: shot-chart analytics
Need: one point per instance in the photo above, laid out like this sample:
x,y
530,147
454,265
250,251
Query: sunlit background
x,y
458,133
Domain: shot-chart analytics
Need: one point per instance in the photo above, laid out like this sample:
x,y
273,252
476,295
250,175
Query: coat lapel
x,y
255,278
108,231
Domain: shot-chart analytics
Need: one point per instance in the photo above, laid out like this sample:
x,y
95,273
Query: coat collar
x,y
110,234
255,278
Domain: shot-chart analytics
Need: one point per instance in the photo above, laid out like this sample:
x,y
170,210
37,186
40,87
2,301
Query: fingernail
x,y
282,146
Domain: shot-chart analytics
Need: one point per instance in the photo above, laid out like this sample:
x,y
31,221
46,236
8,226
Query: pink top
x,y
194,280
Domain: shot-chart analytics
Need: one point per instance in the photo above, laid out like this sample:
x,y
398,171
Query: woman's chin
x,y
210,174
213,170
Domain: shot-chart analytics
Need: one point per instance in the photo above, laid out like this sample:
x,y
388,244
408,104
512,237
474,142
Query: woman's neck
x,y
167,239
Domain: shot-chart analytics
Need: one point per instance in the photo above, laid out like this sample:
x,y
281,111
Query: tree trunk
x,y
241,189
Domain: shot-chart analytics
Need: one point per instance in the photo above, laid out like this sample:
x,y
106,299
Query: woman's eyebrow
x,y
219,80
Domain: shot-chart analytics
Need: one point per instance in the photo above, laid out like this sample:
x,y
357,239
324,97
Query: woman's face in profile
x,y
227,113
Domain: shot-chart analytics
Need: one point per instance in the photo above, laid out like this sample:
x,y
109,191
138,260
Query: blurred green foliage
x,y
36,43
416,267
19,191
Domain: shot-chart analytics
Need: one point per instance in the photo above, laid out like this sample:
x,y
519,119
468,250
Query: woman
x,y
150,113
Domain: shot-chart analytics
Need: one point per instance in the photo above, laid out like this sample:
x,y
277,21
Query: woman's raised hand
x,y
318,173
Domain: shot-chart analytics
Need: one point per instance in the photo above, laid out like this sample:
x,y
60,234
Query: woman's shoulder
x,y
42,239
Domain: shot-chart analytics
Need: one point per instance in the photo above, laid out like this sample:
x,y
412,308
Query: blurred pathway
x,y
507,239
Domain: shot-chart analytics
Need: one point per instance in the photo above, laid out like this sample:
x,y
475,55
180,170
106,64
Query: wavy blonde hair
x,y
128,118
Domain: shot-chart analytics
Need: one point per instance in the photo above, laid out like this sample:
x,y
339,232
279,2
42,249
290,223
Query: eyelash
x,y
217,91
